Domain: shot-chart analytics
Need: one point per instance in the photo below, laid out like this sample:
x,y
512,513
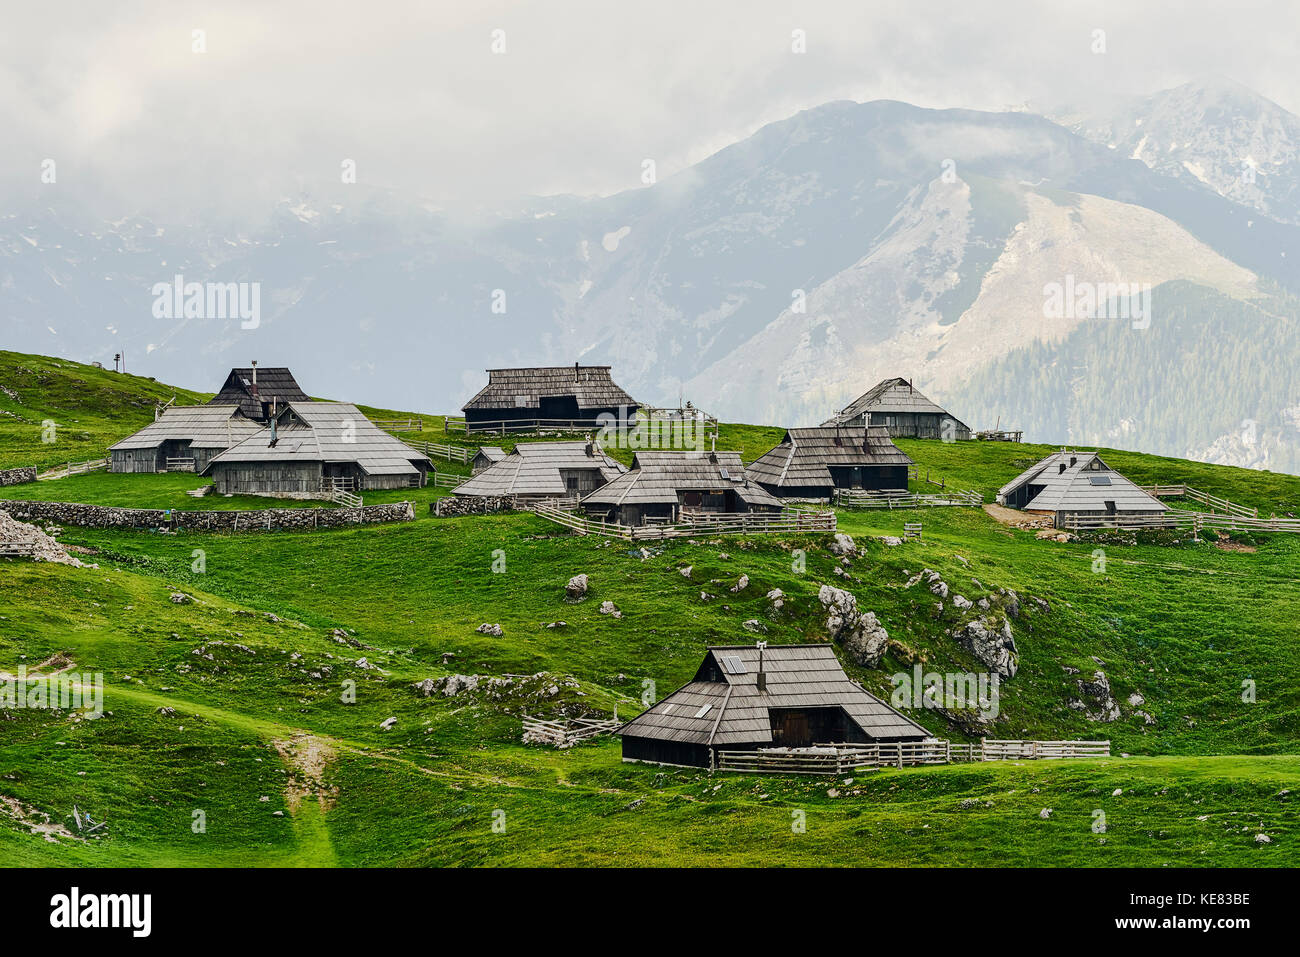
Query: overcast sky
x,y
585,90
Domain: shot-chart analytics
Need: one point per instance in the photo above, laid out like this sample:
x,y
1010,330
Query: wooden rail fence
x,y
400,425
78,468
452,453
790,521
19,548
860,498
567,733
1180,519
839,759
1213,502
447,480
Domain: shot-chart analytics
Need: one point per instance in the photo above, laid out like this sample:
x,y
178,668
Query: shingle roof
x,y
657,476
592,386
274,385
1079,487
534,469
204,426
890,395
802,458
333,432
493,453
798,676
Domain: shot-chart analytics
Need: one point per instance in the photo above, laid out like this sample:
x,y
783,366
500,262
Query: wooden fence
x,y
452,453
839,759
505,426
400,425
860,498
341,497
90,465
19,548
567,733
448,480
180,464
1180,519
791,521
1212,502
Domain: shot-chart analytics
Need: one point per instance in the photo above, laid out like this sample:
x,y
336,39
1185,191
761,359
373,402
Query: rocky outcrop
x,y
858,632
1095,699
991,644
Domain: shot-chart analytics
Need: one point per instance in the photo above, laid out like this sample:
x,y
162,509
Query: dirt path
x,y
1016,518
307,757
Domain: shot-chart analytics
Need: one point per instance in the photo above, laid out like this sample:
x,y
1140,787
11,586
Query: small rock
x,y
387,723
494,630
577,587
1045,813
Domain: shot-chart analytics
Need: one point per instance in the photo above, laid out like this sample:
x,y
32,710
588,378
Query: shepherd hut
x,y
903,411
184,438
311,448
486,457
745,697
662,486
259,393
543,470
554,396
810,464
1076,483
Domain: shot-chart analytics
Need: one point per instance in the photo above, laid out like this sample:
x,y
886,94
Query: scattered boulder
x,y
387,723
741,583
180,598
577,587
891,540
777,598
1045,813
843,545
494,630
754,624
609,608
1135,700
960,602
686,572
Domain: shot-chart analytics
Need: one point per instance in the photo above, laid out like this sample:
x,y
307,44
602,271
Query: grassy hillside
x,y
90,408
256,667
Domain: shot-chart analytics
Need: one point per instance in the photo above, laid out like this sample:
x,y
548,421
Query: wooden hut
x,y
1076,483
745,697
662,486
184,438
311,448
486,457
259,393
903,411
544,470
810,464
548,396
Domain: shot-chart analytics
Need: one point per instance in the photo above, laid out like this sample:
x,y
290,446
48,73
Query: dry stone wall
x,y
17,476
258,520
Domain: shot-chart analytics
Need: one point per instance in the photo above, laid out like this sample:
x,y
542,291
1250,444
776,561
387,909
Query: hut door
x,y
793,729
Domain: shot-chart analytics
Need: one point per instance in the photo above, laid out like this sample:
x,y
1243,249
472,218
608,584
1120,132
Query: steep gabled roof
x,y
534,469
804,455
737,713
524,388
890,396
1080,482
274,386
334,432
657,476
204,426
493,453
